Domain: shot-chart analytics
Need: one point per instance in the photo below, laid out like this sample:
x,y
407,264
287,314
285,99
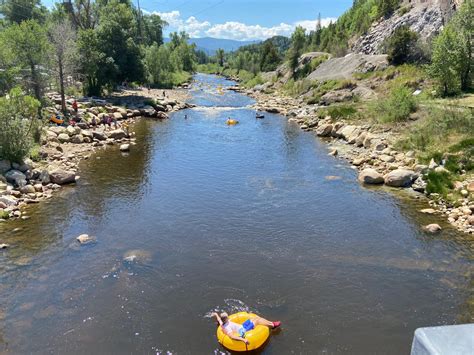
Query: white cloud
x,y
233,29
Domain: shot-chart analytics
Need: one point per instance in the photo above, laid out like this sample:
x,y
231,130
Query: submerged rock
x,y
85,239
125,148
432,228
138,255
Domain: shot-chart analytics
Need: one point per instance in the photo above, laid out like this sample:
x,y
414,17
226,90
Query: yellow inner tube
x,y
231,122
256,337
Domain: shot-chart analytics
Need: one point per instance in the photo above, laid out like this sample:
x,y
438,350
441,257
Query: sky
x,y
241,19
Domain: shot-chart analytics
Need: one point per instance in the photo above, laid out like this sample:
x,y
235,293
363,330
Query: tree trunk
x,y
61,86
35,81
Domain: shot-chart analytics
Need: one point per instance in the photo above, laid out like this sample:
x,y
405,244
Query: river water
x,y
251,217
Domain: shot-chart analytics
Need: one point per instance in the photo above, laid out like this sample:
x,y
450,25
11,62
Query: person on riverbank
x,y
237,331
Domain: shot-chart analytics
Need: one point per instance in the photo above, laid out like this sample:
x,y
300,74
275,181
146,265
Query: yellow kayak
x,y
231,122
256,337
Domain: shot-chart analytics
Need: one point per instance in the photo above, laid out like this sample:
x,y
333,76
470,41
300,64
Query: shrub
x,y
401,46
341,111
18,121
439,183
397,107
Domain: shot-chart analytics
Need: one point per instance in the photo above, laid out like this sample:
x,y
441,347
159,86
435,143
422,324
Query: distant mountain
x,y
210,45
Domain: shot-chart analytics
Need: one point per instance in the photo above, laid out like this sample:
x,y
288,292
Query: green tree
x,y
92,60
269,58
17,11
18,114
464,24
159,65
116,33
298,40
153,29
220,57
387,7
28,47
401,45
446,61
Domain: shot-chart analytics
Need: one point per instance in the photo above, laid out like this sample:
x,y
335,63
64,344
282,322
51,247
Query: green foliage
x,y
321,88
152,29
343,111
396,107
4,215
17,11
298,40
18,117
439,183
400,46
452,59
170,64
445,131
25,47
311,66
92,60
35,152
387,7
269,58
220,57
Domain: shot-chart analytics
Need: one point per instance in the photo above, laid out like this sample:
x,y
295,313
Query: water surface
x,y
251,217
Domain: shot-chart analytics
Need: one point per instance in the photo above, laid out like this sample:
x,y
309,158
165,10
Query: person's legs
x,y
261,321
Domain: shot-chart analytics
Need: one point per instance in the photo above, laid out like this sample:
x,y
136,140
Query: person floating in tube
x,y
237,331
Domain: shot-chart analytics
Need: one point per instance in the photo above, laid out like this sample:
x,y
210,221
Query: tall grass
x,y
396,107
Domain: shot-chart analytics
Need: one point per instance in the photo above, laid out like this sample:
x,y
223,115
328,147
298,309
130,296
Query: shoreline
x,y
63,148
370,151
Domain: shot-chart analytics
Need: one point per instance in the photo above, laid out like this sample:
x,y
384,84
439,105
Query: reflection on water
x,y
201,217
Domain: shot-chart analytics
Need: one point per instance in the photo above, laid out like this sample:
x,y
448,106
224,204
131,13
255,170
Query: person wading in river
x,y
237,331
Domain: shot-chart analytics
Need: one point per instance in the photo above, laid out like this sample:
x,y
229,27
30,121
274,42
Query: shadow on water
x,y
203,217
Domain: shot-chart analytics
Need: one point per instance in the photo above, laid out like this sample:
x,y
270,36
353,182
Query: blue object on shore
x,y
444,340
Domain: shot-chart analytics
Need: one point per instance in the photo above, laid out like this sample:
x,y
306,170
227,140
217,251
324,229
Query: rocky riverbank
x,y
64,147
370,150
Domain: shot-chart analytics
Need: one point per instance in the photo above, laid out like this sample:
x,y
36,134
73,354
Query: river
x,y
255,217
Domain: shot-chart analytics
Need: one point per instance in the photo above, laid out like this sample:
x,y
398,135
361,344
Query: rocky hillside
x,y
425,17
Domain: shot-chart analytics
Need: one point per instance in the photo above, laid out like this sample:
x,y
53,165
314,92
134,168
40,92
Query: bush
x,y
18,122
397,107
439,183
340,111
401,46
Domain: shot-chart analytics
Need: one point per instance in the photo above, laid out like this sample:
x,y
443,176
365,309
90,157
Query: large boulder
x,y
400,178
9,201
5,165
61,177
101,136
16,177
23,166
336,96
349,133
63,137
371,177
57,129
324,130
77,139
117,134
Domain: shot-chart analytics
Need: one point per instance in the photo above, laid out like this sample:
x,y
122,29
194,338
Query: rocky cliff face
x,y
425,17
